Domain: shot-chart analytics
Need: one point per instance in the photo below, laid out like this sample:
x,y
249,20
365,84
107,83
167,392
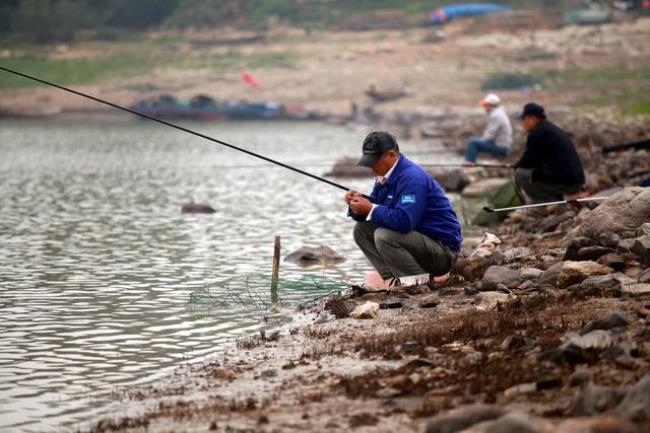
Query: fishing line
x,y
468,165
236,166
181,128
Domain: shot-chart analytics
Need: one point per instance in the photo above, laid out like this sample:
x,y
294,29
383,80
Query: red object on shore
x,y
249,79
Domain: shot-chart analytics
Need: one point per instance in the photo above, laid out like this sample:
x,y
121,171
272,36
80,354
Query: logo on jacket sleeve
x,y
407,199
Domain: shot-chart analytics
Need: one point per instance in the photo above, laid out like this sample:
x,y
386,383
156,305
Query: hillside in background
x,y
43,21
311,52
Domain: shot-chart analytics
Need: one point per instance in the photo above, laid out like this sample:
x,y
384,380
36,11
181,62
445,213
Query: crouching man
x,y
550,167
408,227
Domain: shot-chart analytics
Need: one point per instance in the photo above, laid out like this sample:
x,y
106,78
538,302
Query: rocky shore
x,y
590,134
544,326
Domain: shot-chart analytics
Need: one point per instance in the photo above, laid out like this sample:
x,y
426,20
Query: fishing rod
x,y
635,145
574,201
238,166
428,152
181,128
468,165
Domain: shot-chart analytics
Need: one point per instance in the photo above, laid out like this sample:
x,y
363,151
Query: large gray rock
x,y
496,275
641,248
643,230
576,272
593,252
192,207
530,274
595,400
346,166
367,310
486,246
576,244
550,223
604,424
626,245
635,289
636,404
483,187
551,274
451,180
624,211
599,283
593,340
613,260
309,256
487,301
463,418
515,422
614,320
512,254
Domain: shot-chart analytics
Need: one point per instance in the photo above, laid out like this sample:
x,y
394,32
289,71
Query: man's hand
x,y
360,205
350,195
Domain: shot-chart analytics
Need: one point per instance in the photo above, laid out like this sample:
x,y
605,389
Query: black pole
x,y
173,125
468,165
636,145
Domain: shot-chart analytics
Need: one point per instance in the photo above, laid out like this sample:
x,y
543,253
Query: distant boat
x,y
242,110
382,95
587,16
448,13
200,107
203,107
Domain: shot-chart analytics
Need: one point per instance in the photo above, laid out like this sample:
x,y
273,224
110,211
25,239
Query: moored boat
x,y
203,107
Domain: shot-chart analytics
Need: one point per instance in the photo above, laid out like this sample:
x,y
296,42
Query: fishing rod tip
x,y
488,209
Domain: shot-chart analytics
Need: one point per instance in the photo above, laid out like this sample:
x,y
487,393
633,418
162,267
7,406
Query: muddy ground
x,y
520,330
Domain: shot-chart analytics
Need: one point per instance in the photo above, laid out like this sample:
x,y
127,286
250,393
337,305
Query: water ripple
x,y
97,264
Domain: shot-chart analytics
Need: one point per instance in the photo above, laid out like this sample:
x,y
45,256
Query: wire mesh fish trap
x,y
254,291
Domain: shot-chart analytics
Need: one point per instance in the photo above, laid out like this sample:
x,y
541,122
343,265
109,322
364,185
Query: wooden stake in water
x,y
275,273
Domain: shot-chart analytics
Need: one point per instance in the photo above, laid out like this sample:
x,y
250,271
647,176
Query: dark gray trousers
x,y
395,254
540,192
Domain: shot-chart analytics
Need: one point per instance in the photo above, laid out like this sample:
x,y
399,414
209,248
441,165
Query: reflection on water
x,y
97,263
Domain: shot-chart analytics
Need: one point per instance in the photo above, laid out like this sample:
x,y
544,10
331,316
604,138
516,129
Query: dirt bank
x,y
602,67
544,323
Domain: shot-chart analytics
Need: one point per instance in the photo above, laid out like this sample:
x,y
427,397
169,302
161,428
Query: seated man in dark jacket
x,y
550,166
408,227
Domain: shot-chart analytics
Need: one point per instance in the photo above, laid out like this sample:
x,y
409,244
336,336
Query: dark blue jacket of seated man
x,y
408,226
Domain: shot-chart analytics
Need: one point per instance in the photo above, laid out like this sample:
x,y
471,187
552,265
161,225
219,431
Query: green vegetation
x,y
44,21
608,75
47,21
78,71
510,81
639,108
614,87
131,62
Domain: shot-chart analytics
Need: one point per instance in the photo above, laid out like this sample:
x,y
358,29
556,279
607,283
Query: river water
x,y
98,265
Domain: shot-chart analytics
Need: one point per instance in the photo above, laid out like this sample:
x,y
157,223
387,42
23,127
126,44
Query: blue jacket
x,y
412,200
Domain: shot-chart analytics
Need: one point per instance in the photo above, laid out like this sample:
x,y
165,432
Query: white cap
x,y
490,99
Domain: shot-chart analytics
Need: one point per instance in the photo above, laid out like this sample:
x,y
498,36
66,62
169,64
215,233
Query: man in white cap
x,y
497,138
